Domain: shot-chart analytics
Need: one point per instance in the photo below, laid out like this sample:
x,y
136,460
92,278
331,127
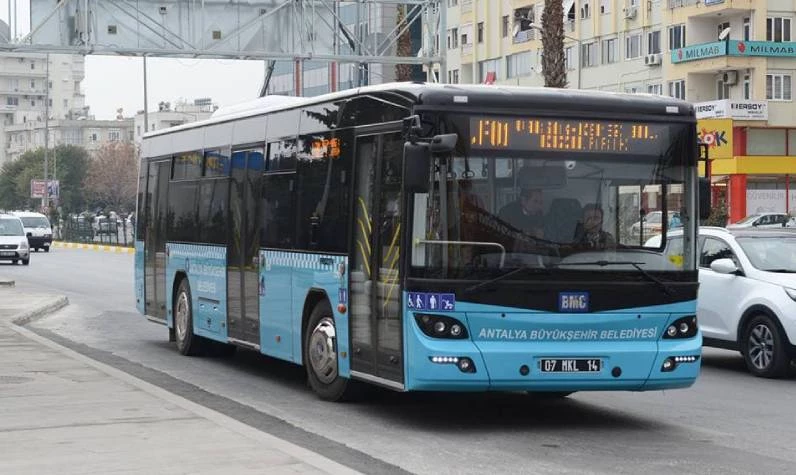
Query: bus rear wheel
x,y
320,356
188,344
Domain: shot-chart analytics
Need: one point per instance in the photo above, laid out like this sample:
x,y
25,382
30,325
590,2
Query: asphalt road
x,y
729,422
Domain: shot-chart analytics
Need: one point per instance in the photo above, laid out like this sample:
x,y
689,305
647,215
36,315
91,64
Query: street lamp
x,y
539,28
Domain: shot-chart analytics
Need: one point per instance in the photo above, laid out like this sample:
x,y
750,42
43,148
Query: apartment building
x,y
167,115
28,88
88,133
734,59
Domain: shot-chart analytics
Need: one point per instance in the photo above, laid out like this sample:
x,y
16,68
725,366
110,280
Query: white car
x,y
747,294
652,224
13,242
37,228
764,220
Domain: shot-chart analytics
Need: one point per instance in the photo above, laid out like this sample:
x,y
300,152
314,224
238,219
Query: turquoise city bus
x,y
430,237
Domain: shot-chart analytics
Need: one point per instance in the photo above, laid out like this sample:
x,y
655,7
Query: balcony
x,y
523,36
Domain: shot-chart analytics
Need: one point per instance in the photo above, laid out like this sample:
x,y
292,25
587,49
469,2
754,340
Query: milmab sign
x,y
734,48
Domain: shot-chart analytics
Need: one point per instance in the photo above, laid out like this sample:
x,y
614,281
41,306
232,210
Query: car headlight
x,y
23,245
791,292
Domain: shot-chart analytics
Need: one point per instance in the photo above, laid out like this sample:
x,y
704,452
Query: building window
x,y
677,89
569,64
93,137
488,70
605,7
633,46
721,27
12,101
480,32
518,65
453,3
676,37
722,90
505,30
766,141
33,84
50,102
453,38
777,29
656,89
747,29
32,65
609,51
33,103
138,130
589,55
114,135
653,42
747,87
778,87
585,11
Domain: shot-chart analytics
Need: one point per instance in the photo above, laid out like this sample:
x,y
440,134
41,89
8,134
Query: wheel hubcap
x,y
761,346
323,352
181,316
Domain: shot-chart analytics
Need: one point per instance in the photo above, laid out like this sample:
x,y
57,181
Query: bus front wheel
x,y
320,356
187,343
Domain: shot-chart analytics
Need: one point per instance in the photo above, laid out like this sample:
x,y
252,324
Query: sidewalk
x,y
61,412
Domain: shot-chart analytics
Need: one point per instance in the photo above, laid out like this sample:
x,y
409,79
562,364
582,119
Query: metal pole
x,y
46,132
146,108
442,32
580,62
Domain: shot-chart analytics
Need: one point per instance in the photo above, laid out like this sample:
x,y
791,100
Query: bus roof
x,y
464,95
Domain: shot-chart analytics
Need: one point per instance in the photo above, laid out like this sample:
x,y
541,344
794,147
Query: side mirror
x,y
756,223
417,163
724,266
704,198
444,143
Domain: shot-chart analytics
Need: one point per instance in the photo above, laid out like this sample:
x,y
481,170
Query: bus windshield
x,y
502,208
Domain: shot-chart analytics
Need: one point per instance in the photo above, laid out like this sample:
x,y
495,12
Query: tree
x,y
403,72
67,164
553,59
112,178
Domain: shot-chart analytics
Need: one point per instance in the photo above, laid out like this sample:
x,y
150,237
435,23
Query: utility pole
x,y
46,198
146,109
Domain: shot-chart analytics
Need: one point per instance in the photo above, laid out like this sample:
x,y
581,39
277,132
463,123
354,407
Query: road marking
x,y
94,247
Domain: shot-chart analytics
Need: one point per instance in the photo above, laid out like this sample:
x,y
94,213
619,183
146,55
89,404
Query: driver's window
x,y
714,249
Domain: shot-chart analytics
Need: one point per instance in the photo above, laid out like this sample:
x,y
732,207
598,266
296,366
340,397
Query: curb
x,y
94,247
36,313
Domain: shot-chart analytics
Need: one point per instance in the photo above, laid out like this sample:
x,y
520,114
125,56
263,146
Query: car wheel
x,y
188,344
47,249
26,262
763,348
321,358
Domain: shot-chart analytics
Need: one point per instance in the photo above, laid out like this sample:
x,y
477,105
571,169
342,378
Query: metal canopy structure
x,y
363,31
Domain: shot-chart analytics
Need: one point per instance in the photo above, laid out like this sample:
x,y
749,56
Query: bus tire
x,y
320,356
188,344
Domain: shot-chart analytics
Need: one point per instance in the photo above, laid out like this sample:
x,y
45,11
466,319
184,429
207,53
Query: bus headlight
x,y
441,326
685,327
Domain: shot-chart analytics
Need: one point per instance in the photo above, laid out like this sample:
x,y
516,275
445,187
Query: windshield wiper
x,y
662,285
508,274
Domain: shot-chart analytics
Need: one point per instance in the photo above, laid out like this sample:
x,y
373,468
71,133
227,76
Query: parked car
x,y
13,242
37,228
764,220
747,294
652,224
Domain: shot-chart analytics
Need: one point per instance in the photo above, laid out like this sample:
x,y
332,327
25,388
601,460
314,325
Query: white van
x,y
37,228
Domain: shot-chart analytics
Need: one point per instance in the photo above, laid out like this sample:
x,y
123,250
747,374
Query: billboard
x,y
42,188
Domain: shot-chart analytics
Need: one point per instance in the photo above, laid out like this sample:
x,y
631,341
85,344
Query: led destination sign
x,y
567,135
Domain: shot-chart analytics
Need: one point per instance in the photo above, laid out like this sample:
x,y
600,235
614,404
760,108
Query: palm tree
x,y
553,60
403,72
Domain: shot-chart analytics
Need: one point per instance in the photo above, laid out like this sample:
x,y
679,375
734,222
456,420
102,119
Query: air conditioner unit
x,y
630,13
652,59
729,78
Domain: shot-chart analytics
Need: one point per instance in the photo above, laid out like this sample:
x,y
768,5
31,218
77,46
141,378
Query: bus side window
x,y
278,225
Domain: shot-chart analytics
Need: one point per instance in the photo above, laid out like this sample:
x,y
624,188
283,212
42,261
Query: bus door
x,y
375,307
243,301
155,239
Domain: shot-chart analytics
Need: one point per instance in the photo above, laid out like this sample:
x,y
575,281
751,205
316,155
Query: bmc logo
x,y
573,302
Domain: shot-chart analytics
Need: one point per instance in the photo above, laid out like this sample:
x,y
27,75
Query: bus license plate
x,y
571,365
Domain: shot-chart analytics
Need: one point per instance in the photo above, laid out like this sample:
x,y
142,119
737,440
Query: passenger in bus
x,y
527,213
589,233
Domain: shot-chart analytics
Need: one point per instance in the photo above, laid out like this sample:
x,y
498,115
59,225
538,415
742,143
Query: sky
x,y
114,82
